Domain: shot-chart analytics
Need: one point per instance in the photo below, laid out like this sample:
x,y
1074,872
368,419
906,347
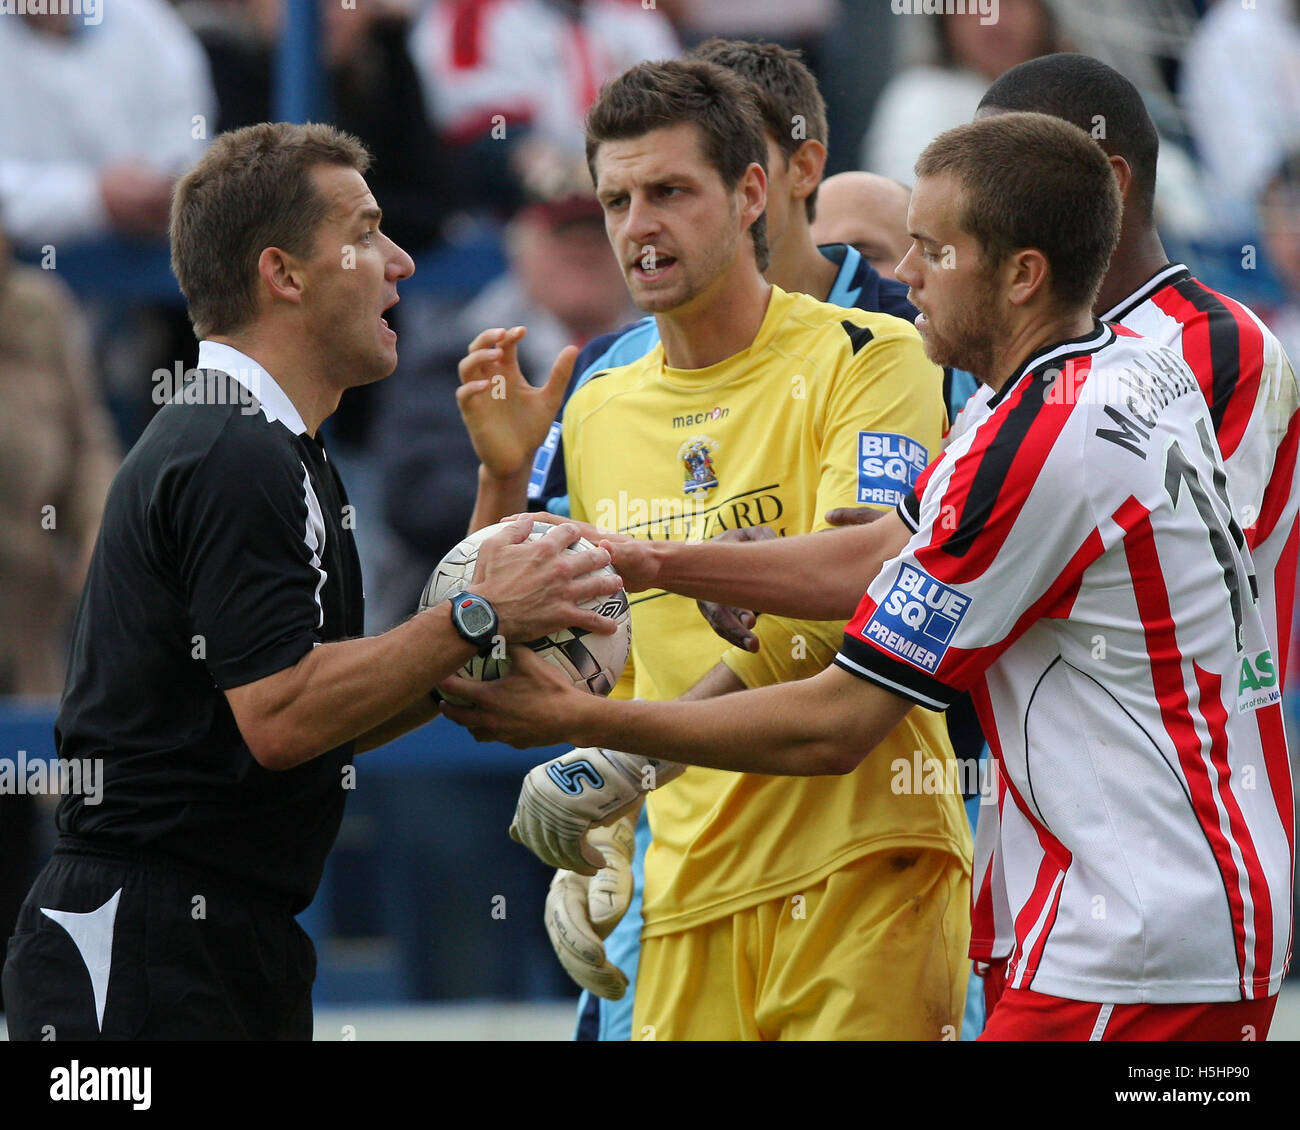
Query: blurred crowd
x,y
473,110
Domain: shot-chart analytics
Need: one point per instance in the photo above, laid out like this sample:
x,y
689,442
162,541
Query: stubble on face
x,y
699,267
968,336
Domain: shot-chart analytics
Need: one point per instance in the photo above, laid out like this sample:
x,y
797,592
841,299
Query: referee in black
x,y
218,672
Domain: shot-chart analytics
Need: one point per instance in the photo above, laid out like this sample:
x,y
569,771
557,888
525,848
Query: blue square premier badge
x,y
888,466
917,619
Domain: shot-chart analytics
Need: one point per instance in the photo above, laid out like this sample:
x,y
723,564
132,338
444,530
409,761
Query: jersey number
x,y
1178,471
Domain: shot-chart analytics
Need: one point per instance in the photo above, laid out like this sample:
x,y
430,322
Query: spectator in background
x,y
797,24
508,82
865,211
564,284
373,93
102,112
966,55
1279,214
57,456
100,118
1241,91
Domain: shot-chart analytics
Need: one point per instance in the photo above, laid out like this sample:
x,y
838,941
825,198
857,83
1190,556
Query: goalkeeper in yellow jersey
x,y
821,908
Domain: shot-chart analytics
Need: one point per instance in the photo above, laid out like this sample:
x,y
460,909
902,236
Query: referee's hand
x,y
537,588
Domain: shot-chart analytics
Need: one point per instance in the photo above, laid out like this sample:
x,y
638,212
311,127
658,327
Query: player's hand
x,y
534,703
734,624
854,515
507,418
536,588
563,799
582,911
632,558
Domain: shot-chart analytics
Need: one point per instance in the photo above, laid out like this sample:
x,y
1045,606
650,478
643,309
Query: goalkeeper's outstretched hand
x,y
562,800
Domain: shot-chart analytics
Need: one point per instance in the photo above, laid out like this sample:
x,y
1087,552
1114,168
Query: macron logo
x,y
101,1084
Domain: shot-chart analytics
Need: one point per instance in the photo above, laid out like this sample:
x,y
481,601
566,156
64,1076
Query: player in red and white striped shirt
x,y
1243,373
1075,562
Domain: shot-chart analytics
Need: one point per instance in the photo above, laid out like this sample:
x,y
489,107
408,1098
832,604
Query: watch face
x,y
474,617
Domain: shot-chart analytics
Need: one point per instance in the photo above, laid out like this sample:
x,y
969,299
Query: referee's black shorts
x,y
115,945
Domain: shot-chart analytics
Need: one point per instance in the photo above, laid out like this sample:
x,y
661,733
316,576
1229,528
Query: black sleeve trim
x,y
910,511
859,658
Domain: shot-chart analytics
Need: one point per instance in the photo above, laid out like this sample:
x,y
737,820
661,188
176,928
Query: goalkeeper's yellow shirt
x,y
827,407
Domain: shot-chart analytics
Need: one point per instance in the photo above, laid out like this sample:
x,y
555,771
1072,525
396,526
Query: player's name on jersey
x,y
687,518
1142,391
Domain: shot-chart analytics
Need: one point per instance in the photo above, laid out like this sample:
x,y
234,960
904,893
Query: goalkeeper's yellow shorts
x,y
876,951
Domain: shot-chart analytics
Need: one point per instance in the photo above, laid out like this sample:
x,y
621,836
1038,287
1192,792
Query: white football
x,y
594,662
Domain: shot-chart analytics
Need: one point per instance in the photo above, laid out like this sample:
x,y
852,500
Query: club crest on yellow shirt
x,y
696,456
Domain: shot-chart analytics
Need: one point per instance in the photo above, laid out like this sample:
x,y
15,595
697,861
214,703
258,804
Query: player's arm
x,y
819,576
331,695
886,389
371,689
823,725
498,495
507,418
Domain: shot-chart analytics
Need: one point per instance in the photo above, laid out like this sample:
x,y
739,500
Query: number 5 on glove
x,y
562,800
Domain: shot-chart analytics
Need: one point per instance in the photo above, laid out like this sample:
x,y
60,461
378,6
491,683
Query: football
x,y
594,662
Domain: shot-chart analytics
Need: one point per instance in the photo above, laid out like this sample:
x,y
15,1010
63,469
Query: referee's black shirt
x,y
226,553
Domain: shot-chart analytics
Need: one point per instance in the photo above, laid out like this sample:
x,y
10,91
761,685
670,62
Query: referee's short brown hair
x,y
718,102
252,189
1032,180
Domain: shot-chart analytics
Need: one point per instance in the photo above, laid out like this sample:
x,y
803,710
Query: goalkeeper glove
x,y
561,800
582,911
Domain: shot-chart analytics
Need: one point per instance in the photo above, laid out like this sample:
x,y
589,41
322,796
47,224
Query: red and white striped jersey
x,y
1076,565
1255,407
535,63
1254,403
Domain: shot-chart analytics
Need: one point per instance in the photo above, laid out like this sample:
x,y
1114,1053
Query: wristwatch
x,y
475,619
